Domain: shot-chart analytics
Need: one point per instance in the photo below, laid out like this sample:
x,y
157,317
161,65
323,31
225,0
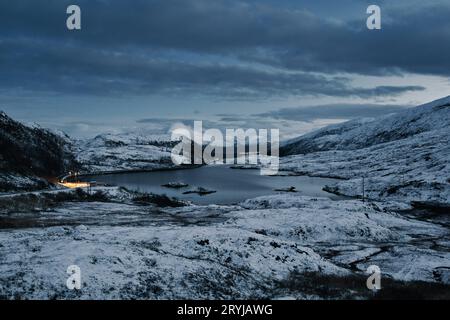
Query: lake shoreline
x,y
232,186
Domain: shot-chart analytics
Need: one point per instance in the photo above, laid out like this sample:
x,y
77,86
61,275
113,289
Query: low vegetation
x,y
354,287
158,200
46,200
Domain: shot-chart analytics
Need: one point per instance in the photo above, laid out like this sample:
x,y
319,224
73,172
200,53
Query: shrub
x,y
158,200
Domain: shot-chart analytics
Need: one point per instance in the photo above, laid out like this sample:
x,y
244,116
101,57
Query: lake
x,y
231,185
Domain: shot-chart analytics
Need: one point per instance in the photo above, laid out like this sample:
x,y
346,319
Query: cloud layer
x,y
333,111
228,49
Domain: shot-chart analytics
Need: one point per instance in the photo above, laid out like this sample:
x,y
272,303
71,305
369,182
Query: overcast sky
x,y
289,63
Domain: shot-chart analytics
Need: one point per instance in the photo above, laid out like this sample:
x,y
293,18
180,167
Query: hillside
x,y
29,154
122,152
362,133
401,157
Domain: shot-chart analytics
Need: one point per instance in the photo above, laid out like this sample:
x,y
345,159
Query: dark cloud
x,y
62,69
221,48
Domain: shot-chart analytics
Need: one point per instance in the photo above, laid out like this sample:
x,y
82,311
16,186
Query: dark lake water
x,y
231,185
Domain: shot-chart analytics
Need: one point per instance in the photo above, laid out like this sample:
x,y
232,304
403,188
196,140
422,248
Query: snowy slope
x,y
29,153
361,133
131,151
402,157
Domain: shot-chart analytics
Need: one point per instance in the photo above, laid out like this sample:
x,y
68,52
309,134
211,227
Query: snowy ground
x,y
14,181
127,250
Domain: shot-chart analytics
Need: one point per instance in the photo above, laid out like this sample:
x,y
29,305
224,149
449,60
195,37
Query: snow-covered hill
x,y
403,156
118,152
29,154
361,133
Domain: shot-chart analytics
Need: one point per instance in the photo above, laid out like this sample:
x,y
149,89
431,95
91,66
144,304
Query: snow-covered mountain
x,y
28,154
127,151
401,157
361,133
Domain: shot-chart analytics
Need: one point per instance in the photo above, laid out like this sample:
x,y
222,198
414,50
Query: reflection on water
x,y
232,185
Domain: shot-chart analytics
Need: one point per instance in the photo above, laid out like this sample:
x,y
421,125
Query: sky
x,y
147,64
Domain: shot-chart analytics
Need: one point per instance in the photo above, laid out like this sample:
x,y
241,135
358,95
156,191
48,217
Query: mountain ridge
x,y
29,155
361,133
404,157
